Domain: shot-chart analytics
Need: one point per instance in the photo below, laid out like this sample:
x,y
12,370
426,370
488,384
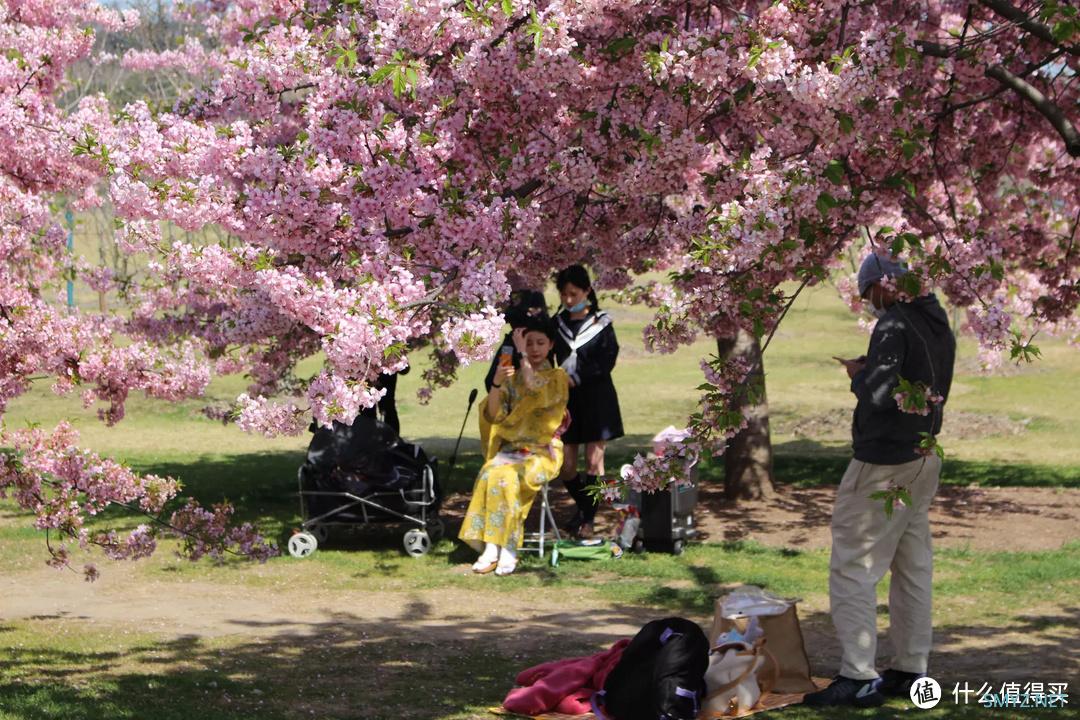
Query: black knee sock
x,y
576,487
591,502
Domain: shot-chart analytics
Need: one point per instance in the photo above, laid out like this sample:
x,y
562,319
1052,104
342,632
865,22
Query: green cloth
x,y
574,550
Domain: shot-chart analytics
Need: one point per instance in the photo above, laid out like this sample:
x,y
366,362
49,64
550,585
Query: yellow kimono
x,y
521,454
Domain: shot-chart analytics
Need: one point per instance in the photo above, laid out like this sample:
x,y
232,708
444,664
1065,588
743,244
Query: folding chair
x,y
539,539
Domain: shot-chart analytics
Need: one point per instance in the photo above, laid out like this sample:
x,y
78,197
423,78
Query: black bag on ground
x,y
661,675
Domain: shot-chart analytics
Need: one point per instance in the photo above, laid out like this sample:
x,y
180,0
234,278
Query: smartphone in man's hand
x,y
852,366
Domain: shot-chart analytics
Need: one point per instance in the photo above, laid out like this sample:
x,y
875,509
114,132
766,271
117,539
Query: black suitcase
x,y
667,517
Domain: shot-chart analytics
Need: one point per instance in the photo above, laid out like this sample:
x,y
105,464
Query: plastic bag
x,y
750,600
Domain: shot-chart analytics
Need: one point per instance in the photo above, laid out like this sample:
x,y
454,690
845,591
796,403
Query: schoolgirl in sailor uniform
x,y
586,348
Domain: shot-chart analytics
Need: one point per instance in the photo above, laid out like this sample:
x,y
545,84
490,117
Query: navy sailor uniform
x,y
586,349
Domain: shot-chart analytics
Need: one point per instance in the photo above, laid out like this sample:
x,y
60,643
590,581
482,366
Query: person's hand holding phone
x,y
853,366
502,375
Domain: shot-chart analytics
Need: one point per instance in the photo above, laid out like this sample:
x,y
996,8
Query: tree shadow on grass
x,y
348,666
262,486
248,480
418,665
266,482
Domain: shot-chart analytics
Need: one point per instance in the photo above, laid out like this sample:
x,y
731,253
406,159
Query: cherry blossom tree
x,y
387,170
40,165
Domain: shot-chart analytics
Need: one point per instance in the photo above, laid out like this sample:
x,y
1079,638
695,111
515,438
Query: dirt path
x,y
207,609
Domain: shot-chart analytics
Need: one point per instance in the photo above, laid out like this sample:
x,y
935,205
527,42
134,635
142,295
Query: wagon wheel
x,y
302,544
417,542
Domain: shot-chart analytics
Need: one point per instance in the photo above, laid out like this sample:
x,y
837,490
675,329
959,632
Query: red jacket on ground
x,y
563,686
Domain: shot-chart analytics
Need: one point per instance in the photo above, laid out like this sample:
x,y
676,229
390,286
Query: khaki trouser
x,y
865,544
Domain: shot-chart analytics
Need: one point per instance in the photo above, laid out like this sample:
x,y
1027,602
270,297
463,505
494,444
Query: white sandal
x,y
486,562
505,568
484,567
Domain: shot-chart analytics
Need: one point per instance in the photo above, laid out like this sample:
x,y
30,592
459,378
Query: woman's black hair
x,y
539,323
523,304
578,276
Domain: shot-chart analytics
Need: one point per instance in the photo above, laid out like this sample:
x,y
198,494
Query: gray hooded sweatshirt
x,y
912,340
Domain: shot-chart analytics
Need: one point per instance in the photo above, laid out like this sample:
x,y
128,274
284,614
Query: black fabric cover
x,y
364,458
643,685
365,445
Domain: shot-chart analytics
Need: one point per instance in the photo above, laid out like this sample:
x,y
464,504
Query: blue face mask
x,y
579,307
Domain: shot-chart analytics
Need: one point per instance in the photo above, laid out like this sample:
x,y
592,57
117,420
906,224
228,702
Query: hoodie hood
x,y
932,312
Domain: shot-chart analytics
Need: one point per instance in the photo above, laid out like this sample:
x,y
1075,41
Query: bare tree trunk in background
x,y
748,464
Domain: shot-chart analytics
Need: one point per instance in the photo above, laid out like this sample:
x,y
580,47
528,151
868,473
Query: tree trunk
x,y
748,466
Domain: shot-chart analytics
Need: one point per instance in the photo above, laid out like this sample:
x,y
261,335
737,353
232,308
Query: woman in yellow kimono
x,y
525,409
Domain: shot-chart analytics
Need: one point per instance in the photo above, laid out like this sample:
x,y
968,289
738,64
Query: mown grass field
x,y
1013,612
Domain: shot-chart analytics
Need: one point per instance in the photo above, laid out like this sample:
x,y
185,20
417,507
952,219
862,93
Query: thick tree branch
x,y
508,30
1041,103
393,233
1036,28
1031,67
522,191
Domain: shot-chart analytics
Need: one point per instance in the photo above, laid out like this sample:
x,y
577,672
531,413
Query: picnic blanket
x,y
772,701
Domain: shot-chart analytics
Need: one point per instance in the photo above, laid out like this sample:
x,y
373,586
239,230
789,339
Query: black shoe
x,y
846,691
897,683
575,523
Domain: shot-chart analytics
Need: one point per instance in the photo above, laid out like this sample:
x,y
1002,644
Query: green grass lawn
x,y
70,668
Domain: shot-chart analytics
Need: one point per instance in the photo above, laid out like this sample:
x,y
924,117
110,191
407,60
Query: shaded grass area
x,y
264,485
345,669
355,668
263,489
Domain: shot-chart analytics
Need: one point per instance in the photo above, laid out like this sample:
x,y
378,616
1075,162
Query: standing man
x,y
911,340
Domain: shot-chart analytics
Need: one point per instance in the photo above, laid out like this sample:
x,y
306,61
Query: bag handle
x,y
767,687
731,684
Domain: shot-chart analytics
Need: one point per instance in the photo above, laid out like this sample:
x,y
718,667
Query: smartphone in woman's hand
x,y
506,355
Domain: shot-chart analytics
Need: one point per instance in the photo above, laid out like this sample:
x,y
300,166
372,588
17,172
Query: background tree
x,y
41,164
